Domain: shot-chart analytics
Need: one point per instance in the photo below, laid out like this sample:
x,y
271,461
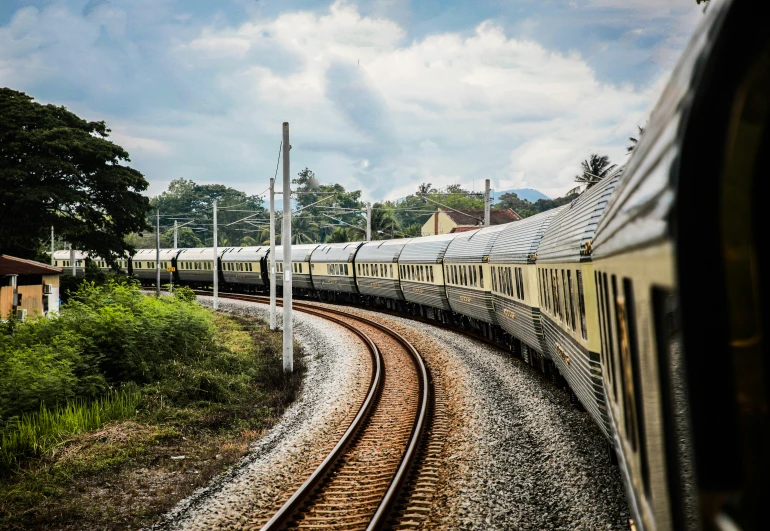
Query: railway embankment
x,y
125,404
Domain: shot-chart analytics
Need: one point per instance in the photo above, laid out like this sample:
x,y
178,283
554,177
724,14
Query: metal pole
x,y
368,222
52,247
288,340
273,325
175,233
487,204
216,273
157,252
72,260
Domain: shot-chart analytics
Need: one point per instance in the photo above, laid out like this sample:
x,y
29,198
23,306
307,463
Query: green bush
x,y
185,294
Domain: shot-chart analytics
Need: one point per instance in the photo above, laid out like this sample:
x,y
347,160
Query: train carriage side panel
x,y
333,265
565,274
144,264
515,288
62,259
300,265
470,290
196,266
376,268
244,265
421,271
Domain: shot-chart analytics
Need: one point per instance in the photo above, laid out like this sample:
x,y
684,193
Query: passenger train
x,y
643,296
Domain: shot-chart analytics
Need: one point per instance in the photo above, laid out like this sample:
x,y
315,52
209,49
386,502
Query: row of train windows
x,y
66,263
375,270
237,266
150,265
617,326
337,269
465,275
417,273
296,267
557,297
508,281
196,265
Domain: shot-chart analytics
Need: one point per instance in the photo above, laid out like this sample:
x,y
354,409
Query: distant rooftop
x,y
476,217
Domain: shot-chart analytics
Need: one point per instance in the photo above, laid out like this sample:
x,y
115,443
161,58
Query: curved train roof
x,y
474,246
149,254
386,251
520,240
245,254
198,253
575,226
64,254
299,253
428,249
336,252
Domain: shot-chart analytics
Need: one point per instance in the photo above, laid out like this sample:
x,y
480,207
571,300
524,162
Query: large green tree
x,y
59,170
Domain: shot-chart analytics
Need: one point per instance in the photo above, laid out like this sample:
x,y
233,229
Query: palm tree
x,y
339,235
303,229
595,169
384,225
248,241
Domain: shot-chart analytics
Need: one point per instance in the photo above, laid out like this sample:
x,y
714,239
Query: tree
x,y
303,229
595,168
59,170
338,235
384,224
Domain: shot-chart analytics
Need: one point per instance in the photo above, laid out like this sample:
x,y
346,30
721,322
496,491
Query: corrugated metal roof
x,y
149,254
336,252
299,253
474,246
381,251
520,240
245,254
11,265
426,250
574,226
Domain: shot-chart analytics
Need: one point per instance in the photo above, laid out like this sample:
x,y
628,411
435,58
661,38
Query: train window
x,y
481,277
626,369
581,304
346,268
567,317
390,267
610,341
509,281
571,299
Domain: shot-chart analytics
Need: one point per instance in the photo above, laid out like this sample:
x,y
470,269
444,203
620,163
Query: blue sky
x,y
380,94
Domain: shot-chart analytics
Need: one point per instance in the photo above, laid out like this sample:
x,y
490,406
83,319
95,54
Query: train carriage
x,y
63,259
332,267
377,271
196,266
421,271
245,266
469,277
515,292
680,261
143,264
300,266
566,286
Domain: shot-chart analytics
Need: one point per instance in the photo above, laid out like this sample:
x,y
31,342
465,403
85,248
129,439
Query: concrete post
x,y
216,261
288,338
271,266
487,204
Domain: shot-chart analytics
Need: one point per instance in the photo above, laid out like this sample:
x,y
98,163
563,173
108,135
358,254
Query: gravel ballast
x,y
339,369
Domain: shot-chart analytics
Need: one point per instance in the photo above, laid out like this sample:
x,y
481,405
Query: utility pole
x,y
72,260
175,233
288,340
52,247
216,273
368,222
487,204
157,252
271,269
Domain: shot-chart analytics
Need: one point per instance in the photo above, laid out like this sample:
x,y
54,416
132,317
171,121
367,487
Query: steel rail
x,y
379,519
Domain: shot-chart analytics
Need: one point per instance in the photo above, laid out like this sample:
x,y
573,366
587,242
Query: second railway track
x,y
359,483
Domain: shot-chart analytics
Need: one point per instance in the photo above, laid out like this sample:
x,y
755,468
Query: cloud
x,y
368,106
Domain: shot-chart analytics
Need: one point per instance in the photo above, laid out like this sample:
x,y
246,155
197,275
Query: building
x,y
448,221
27,287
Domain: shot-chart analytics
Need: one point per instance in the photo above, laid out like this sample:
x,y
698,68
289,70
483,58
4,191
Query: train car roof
x,y
520,240
336,252
245,254
299,253
199,253
382,250
568,237
474,246
64,254
427,249
149,254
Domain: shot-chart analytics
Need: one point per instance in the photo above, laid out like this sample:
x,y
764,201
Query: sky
x,y
380,95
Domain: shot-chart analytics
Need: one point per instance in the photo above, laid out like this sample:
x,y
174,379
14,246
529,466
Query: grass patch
x,y
106,463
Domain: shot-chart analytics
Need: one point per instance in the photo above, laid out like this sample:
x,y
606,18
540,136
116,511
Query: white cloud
x,y
367,107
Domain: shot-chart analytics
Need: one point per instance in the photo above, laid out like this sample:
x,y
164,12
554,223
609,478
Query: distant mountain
x,y
529,194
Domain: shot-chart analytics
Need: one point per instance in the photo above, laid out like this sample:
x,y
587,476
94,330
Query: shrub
x,y
185,294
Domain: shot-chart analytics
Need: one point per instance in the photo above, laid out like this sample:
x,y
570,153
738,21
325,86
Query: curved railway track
x,y
359,483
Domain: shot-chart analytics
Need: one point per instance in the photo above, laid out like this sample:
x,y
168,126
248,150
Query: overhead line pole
x,y
288,340
176,228
368,222
52,245
273,324
216,274
487,204
157,252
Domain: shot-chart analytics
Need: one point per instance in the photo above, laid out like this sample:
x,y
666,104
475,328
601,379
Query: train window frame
x,y
581,304
571,299
345,267
390,267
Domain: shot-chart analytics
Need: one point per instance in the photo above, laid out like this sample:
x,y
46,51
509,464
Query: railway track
x,y
360,482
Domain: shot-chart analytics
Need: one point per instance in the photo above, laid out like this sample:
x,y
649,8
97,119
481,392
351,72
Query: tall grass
x,y
37,433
